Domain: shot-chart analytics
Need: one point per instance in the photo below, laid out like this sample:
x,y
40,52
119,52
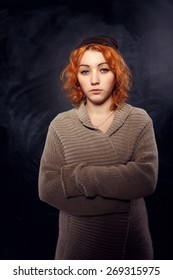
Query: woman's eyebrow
x,y
86,65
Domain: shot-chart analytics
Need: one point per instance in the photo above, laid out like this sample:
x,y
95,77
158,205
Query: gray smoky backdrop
x,y
36,38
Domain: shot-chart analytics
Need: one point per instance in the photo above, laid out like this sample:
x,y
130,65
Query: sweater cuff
x,y
68,180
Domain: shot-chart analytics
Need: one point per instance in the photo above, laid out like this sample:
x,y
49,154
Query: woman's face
x,y
95,77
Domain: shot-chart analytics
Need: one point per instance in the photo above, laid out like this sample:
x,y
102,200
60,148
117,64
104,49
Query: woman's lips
x,y
96,90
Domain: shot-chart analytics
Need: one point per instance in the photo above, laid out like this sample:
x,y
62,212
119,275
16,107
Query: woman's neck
x,y
101,109
101,115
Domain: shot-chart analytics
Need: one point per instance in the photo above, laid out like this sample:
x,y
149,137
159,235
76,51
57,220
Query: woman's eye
x,y
84,72
104,70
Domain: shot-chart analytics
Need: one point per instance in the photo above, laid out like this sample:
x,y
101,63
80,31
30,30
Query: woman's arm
x,y
52,188
133,180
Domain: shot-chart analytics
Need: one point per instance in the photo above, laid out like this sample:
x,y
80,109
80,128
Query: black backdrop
x,y
36,38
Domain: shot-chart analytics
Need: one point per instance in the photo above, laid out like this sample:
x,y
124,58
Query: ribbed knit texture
x,y
93,238
92,177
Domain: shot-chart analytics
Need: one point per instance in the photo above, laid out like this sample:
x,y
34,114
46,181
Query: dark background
x,y
36,38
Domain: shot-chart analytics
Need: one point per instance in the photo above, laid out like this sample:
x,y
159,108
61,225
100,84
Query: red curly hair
x,y
117,66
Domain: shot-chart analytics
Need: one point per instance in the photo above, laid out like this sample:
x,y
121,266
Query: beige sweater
x,y
97,177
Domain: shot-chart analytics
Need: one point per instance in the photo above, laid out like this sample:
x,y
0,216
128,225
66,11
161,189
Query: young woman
x,y
100,160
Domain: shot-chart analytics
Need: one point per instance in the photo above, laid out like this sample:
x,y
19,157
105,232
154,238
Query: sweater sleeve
x,y
133,180
52,175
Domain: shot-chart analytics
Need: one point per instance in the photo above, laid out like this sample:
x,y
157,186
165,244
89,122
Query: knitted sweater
x,y
97,179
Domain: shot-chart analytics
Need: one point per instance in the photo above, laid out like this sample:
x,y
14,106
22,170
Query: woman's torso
x,y
112,235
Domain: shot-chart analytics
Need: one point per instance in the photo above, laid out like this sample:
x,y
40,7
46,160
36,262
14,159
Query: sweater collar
x,y
119,117
83,116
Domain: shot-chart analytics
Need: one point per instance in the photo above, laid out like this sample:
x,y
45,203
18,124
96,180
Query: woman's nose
x,y
95,79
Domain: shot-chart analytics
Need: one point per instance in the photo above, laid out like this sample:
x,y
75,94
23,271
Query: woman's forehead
x,y
92,56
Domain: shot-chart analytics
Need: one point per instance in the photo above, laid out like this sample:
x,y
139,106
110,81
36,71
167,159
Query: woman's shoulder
x,y
138,116
63,117
138,112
